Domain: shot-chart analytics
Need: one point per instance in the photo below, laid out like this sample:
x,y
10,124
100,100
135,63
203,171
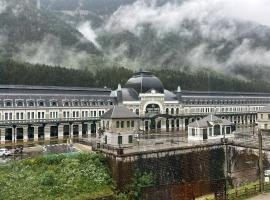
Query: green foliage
x,y
141,179
76,176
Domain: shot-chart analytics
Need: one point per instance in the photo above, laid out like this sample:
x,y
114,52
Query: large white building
x,y
40,112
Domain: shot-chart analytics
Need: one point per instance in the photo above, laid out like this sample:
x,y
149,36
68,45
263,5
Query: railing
x,y
47,121
243,192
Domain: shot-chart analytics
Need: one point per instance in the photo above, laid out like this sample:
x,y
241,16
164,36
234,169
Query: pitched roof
x,y
265,109
208,121
119,112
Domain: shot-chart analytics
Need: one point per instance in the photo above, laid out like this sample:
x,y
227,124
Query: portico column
x,y
2,133
47,132
35,133
14,134
80,130
60,131
88,130
25,133
71,130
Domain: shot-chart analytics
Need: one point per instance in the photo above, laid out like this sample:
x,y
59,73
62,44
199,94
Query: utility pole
x,y
225,165
261,162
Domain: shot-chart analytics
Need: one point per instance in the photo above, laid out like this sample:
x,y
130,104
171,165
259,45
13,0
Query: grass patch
x,y
76,176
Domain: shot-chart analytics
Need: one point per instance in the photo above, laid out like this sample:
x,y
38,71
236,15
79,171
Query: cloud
x,y
51,52
87,31
2,6
213,24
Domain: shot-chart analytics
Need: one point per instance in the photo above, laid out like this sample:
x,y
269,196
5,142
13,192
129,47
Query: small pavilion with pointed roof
x,y
119,126
210,127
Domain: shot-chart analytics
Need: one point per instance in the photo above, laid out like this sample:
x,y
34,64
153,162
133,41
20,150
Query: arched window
x,y
8,103
172,111
19,103
53,103
41,103
137,111
167,111
177,111
31,103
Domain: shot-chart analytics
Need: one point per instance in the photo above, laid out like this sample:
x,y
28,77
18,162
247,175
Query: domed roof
x,y
144,81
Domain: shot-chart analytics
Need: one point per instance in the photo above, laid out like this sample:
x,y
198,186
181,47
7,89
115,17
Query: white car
x,y
4,152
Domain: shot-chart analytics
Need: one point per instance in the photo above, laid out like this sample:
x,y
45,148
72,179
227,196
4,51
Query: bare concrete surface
x,y
265,196
82,147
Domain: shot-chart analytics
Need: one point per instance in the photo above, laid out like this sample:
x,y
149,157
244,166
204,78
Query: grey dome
x,y
143,82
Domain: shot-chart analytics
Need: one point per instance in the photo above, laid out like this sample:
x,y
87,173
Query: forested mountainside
x,y
27,74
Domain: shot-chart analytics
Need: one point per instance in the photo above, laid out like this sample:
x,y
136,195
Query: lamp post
x,y
226,165
260,161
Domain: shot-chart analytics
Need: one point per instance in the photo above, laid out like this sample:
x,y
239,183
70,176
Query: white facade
x,y
210,128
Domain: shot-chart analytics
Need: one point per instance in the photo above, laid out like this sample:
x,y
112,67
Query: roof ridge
x,y
113,110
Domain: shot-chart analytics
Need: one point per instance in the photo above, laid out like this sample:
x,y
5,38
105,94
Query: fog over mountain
x,y
229,36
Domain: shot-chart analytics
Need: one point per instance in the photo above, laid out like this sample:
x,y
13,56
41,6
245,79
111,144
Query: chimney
x,y
119,94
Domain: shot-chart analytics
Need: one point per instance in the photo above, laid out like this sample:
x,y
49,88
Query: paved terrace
x,y
244,137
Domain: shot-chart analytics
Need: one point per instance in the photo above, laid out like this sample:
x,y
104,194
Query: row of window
x,y
20,116
52,115
124,124
205,102
54,103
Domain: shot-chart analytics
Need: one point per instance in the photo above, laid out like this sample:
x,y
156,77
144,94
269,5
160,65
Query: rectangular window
x,y
21,115
128,124
17,115
77,114
86,113
28,115
130,139
33,115
95,113
132,124
10,116
73,114
122,124
261,116
64,114
228,130
210,131
120,139
193,132
43,115
82,113
38,115
68,114
117,124
268,116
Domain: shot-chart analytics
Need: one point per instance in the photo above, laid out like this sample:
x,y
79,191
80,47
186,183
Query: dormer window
x,y
31,103
53,103
66,103
19,103
84,103
41,103
75,103
8,103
